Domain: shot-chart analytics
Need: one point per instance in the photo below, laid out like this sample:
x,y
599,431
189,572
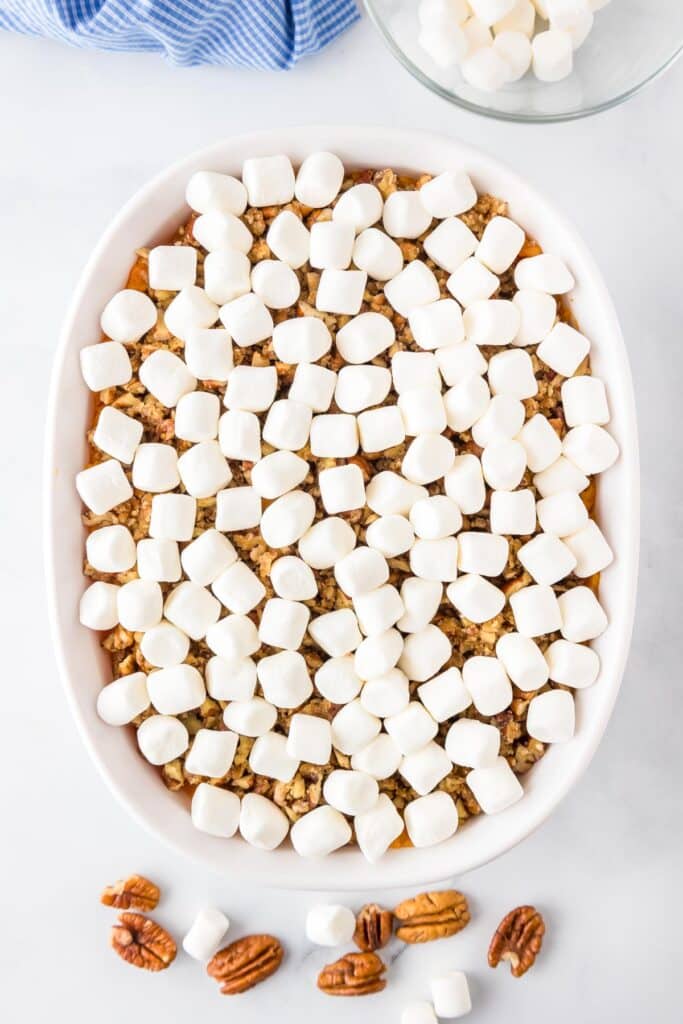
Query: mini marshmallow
x,y
172,517
359,387
206,934
211,753
421,599
227,275
320,832
448,194
248,320
490,11
341,488
456,362
278,473
429,457
535,610
495,786
503,463
124,699
319,179
287,424
445,695
336,632
504,417
381,429
488,683
377,254
571,664
540,442
476,598
544,273
584,400
435,559
191,308
515,49
550,717
192,609
239,589
472,282
203,469
562,513
582,616
553,57
364,337
435,518
283,623
572,16
293,579
341,291
330,925
386,695
380,759
103,487
390,535
196,416
523,661
513,513
172,267
353,728
269,180
105,365
314,386
590,550
309,739
337,681
486,69
464,483
500,244
117,435
477,34
215,810
237,508
284,679
437,324
377,828
269,757
512,373
416,285
139,605
287,519
424,653
405,215
360,206
449,245
422,411
209,190
327,542
485,554
466,402
590,448
419,1012
521,18
414,370
164,645
155,468
301,340
253,717
537,311
472,744
331,245
561,475
175,690
349,791
491,322
563,349
127,316
166,377
208,353
450,991
289,239
379,609
111,549
430,819
389,494
162,738
97,608
361,571
424,769
230,680
275,284
377,655
233,638
547,559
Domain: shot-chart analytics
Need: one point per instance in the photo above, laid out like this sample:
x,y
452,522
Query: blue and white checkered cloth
x,y
243,33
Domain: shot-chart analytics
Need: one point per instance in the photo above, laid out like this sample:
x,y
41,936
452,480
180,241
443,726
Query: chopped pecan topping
x,y
356,974
374,927
518,938
142,942
432,915
133,893
245,963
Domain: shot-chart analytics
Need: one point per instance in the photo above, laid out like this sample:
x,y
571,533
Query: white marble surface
x,y
79,133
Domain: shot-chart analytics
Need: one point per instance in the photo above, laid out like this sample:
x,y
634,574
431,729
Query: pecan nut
x,y
142,942
518,938
356,974
374,927
133,893
431,915
245,963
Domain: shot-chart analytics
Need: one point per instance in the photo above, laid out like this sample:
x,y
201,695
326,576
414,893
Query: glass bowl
x,y
632,42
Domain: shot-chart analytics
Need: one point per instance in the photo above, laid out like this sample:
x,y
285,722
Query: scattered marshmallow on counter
x,y
206,934
330,925
418,1013
450,991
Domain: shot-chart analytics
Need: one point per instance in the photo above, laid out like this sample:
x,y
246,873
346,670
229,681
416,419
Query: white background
x,y
79,132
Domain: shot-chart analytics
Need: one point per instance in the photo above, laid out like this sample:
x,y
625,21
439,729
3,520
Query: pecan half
x,y
432,915
133,893
142,942
518,938
245,963
356,974
374,927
